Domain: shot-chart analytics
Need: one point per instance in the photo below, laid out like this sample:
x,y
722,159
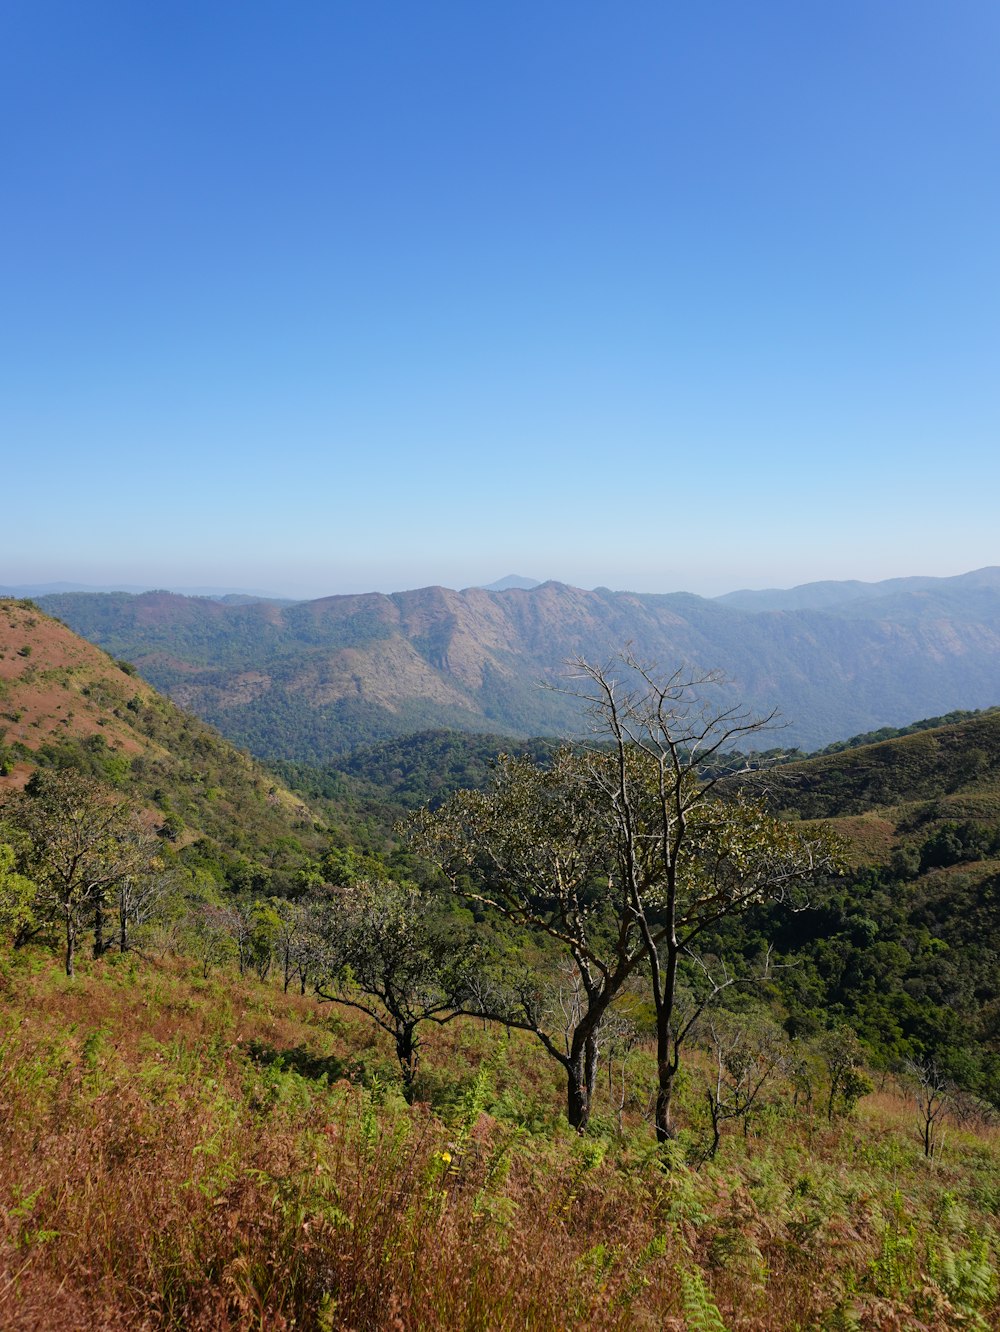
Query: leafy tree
x,y
284,924
77,841
537,845
395,956
17,897
843,1055
953,843
302,939
252,926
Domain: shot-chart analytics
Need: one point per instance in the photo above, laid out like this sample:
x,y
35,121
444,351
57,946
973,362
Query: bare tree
x,y
932,1092
621,1036
309,949
625,853
747,1053
208,936
238,919
691,852
138,900
971,1111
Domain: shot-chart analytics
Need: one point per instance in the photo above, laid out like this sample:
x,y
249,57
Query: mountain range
x,y
309,680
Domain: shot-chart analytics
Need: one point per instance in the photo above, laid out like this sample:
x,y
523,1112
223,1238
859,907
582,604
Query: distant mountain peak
x,y
511,581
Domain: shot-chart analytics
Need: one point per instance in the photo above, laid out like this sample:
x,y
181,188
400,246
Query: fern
x,y
700,1310
473,1103
896,1270
966,1276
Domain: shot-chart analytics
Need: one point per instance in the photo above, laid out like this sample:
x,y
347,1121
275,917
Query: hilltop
x,y
311,680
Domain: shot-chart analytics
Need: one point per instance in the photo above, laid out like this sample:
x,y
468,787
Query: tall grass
x,y
192,1155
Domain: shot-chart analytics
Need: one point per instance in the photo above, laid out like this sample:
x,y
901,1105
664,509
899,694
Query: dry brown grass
x,y
185,1154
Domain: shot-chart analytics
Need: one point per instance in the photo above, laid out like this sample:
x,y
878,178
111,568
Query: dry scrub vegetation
x,y
182,1152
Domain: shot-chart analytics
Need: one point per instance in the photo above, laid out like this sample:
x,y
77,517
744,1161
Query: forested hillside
x,y
902,947
326,1035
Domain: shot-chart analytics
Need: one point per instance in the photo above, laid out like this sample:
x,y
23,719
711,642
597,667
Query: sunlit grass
x,y
210,1154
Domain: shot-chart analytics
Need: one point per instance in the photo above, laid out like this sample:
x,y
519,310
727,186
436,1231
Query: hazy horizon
x,y
23,587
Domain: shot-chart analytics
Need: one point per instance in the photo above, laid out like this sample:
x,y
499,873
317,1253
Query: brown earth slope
x,y
64,701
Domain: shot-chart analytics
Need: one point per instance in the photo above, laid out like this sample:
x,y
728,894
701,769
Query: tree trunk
x,y
408,1056
592,1055
577,1094
581,1070
70,943
100,947
581,1064
666,1050
713,1110
664,1122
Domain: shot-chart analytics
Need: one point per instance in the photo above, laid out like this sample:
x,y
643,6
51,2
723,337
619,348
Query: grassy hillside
x,y
209,1154
65,703
957,764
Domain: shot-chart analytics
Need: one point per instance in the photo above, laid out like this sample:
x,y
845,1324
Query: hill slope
x,y
904,949
309,680
957,767
64,702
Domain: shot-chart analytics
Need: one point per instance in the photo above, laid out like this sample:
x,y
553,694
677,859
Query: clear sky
x,y
324,297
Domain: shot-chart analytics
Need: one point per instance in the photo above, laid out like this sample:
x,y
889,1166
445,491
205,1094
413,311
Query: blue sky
x,y
329,297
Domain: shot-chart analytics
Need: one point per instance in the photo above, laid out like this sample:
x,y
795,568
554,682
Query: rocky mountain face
x,y
311,679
